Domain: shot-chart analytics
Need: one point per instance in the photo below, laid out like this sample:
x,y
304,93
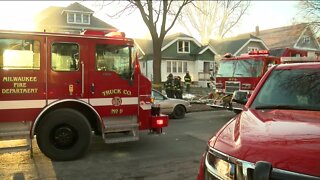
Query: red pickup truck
x,y
277,135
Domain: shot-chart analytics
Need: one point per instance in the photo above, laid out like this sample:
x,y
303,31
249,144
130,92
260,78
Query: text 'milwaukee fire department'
x,y
63,87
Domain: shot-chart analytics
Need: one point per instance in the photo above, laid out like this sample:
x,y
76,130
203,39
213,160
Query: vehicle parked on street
x,y
277,135
62,87
175,108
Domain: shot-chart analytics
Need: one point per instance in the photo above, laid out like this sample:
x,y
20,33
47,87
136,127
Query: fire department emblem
x,y
116,101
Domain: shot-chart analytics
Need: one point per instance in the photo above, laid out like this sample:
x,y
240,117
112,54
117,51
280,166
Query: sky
x,y
265,14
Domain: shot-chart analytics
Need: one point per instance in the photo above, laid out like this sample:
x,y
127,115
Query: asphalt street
x,y
175,155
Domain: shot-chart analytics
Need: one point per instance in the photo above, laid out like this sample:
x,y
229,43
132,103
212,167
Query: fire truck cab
x,y
62,87
240,73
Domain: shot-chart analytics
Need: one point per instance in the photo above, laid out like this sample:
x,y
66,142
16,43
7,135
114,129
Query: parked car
x,y
277,135
175,108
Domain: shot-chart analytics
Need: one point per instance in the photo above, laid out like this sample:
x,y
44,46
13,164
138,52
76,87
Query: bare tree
x,y
213,18
159,17
310,11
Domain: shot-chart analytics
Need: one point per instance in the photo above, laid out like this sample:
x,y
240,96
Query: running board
x,y
120,129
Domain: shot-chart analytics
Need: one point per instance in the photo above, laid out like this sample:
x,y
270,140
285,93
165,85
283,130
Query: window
x,y
19,54
114,58
78,18
85,18
177,66
185,67
180,67
174,66
240,68
252,49
65,57
168,66
292,89
306,39
70,17
183,46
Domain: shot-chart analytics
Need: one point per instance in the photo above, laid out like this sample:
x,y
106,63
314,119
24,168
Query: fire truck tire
x,y
64,134
179,112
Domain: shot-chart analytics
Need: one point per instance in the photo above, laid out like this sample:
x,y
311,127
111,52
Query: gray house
x,y
180,53
71,19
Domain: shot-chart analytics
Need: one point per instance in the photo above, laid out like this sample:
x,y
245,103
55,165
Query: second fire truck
x,y
243,73
61,88
240,73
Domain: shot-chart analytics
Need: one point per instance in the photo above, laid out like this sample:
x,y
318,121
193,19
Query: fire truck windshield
x,y
240,68
114,58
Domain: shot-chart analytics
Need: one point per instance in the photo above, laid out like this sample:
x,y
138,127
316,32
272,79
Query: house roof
x,y
172,37
77,7
282,37
232,45
53,16
146,47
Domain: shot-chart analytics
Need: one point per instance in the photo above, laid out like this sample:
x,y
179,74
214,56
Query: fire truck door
x,y
66,67
112,90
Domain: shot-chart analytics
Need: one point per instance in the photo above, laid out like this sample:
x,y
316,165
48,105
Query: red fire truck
x,y
244,72
240,73
63,87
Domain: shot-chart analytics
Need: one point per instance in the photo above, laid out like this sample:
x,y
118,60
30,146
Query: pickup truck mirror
x,y
240,97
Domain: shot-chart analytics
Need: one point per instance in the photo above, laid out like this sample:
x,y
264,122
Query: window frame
x,y
33,57
184,67
184,44
78,69
306,39
74,14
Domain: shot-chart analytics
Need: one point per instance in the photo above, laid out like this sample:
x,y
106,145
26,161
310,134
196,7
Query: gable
x,y
207,55
307,41
252,44
55,19
171,52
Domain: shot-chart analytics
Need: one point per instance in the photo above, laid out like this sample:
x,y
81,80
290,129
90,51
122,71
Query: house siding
x,y
207,56
244,50
308,45
172,52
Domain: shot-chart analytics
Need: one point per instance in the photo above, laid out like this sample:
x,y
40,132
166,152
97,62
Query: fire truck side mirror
x,y
240,97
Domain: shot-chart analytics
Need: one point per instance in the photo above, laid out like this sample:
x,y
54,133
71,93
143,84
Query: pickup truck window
x,y
290,89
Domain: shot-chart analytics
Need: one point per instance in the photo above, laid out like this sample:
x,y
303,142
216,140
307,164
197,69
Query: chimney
x,y
257,31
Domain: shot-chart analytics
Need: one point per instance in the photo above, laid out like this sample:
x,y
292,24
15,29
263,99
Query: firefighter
x,y
187,81
168,85
177,87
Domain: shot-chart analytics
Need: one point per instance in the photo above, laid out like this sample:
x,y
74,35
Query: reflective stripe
x,y
30,104
22,104
108,101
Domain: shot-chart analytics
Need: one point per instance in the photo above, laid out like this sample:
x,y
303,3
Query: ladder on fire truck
x,y
120,129
15,137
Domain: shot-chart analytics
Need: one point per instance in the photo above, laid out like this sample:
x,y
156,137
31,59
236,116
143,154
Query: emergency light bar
x,y
116,34
107,33
259,52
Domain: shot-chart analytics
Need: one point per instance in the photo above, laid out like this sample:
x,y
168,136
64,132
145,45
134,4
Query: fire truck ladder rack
x,y
12,134
120,129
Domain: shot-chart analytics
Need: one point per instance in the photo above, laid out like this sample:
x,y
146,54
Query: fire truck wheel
x,y
64,134
178,112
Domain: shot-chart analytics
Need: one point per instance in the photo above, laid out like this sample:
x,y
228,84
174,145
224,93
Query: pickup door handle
x,y
92,88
